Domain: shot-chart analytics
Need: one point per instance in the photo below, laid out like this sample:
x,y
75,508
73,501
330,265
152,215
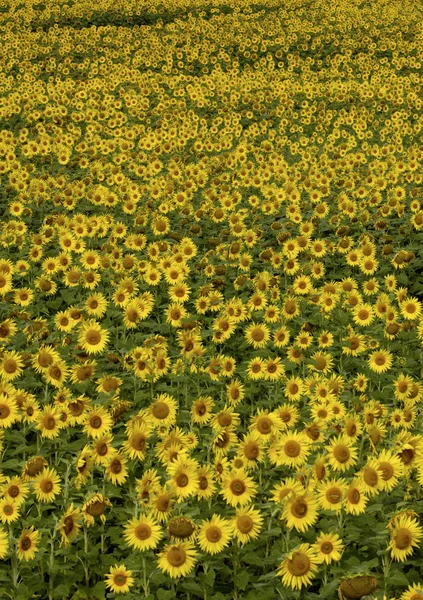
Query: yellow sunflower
x,y
214,534
247,524
238,488
406,533
69,525
299,567
142,533
257,335
380,361
163,411
328,547
92,338
4,543
177,559
9,511
11,365
47,485
300,512
119,579
290,449
27,544
8,411
342,454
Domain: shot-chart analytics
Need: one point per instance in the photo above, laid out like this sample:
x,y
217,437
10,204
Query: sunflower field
x,y
211,300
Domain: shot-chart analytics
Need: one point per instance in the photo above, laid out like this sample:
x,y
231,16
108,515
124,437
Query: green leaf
x,y
242,579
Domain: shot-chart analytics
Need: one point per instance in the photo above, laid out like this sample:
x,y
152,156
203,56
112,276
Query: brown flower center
x,y
245,523
143,532
237,487
264,425
176,556
403,538
370,476
213,534
299,508
299,564
93,337
68,525
26,543
4,411
46,486
326,547
160,410
119,579
341,453
387,470
292,448
182,480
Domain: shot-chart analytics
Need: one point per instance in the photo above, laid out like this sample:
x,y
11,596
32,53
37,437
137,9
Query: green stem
x,y
87,578
145,585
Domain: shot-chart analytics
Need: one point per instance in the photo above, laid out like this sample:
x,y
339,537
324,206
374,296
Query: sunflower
x,y
184,475
411,308
246,524
322,362
235,392
162,503
328,547
300,511
96,305
97,422
201,410
266,424
142,533
178,559
182,528
47,485
84,465
413,592
163,411
299,567
332,494
380,361
371,477
27,545
95,507
281,337
356,499
341,453
392,468
119,579
49,422
290,449
33,467
294,389
251,449
69,525
256,369
14,489
8,411
206,483
136,444
405,534
285,488
4,543
116,470
92,338
9,511
257,335
237,488
214,534
11,365
363,314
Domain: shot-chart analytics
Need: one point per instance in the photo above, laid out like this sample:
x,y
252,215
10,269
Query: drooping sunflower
x,y
214,534
47,485
27,544
177,559
33,467
247,524
300,512
92,338
299,567
95,507
119,579
328,547
238,488
69,525
406,533
142,533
